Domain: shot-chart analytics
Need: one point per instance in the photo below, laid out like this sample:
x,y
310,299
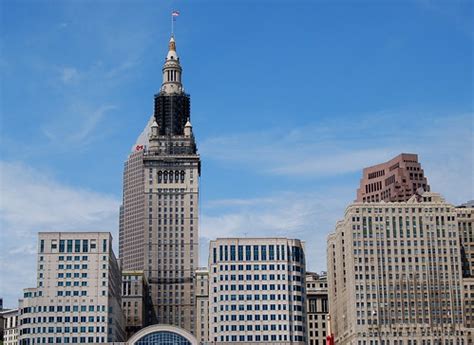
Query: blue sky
x,y
290,100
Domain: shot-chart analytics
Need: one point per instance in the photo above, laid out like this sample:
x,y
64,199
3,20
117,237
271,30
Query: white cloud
x,y
309,216
30,202
445,146
80,132
69,75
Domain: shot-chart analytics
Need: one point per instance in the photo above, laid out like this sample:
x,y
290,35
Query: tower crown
x,y
172,70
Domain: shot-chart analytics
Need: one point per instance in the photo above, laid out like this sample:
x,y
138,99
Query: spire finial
x,y
172,44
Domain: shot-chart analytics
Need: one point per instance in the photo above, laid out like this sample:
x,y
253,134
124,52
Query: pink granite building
x,y
395,180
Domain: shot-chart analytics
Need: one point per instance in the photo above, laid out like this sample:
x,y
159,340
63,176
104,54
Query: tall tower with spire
x,y
159,215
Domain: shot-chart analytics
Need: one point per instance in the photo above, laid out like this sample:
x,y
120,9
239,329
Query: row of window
x,y
260,298
250,338
258,267
248,277
257,328
65,340
250,317
249,287
60,308
76,246
257,253
67,319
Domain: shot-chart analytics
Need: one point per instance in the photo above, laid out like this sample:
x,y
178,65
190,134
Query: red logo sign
x,y
139,147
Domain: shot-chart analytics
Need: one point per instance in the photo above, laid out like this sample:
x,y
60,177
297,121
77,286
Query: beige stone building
x,y
9,319
465,217
317,307
135,302
394,274
77,299
159,216
257,291
202,304
395,180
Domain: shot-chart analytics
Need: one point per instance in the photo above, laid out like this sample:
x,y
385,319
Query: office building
x,y
394,274
77,299
317,307
136,302
202,304
465,219
9,320
159,216
395,180
257,291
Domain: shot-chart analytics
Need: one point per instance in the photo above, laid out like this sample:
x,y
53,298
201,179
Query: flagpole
x,y
172,25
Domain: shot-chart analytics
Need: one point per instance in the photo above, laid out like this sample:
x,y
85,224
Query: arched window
x,y
176,176
165,177
163,337
182,176
160,176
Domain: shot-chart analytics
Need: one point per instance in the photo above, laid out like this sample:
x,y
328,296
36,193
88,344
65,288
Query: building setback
x,y
394,273
257,291
395,180
317,307
159,216
77,299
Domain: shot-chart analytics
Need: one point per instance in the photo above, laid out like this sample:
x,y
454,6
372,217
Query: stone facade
x,y
257,291
9,319
395,180
202,304
159,216
465,217
135,302
317,307
394,273
77,299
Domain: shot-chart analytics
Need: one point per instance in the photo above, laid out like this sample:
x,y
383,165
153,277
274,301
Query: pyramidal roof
x,y
144,135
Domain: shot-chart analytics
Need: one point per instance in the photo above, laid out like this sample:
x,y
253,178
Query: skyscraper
x,y
395,180
159,215
394,274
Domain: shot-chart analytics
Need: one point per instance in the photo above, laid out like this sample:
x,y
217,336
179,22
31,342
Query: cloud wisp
x,y
80,132
309,216
332,148
30,202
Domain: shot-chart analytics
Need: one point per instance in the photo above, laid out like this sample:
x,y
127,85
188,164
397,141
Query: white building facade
x,y
10,326
78,295
257,291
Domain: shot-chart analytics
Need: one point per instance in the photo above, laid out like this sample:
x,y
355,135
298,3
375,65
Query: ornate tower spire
x,y
172,104
172,70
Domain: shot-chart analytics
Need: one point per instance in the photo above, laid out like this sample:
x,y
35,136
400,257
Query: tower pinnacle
x,y
172,70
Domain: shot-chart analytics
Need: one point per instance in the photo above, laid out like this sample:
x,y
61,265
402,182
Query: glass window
x,y
264,252
241,253
163,337
69,246
77,246
85,246
255,253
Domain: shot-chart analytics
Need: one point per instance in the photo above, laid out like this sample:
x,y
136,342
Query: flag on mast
x,y
174,14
